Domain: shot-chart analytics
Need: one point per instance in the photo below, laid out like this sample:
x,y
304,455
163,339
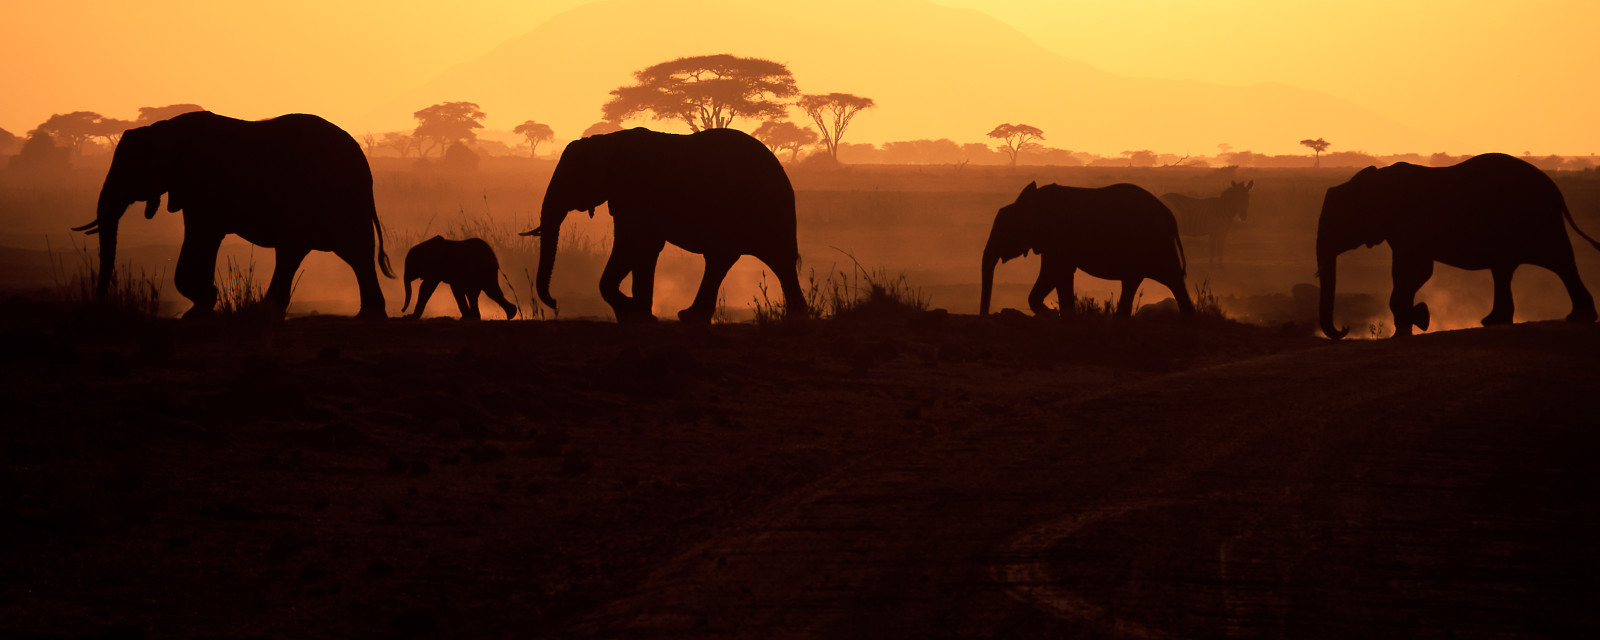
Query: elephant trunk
x,y
108,258
990,259
1327,268
108,213
549,233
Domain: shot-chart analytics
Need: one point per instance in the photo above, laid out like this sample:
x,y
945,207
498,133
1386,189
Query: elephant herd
x,y
298,183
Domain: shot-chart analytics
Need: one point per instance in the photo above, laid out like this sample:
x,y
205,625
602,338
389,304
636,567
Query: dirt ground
x,y
926,475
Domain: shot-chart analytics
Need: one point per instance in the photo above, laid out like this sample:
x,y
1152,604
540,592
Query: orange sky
x,y
1502,76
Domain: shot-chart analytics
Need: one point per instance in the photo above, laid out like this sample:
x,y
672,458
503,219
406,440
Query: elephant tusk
x,y
533,232
90,228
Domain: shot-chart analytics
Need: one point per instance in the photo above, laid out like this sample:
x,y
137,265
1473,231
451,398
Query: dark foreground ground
x,y
936,476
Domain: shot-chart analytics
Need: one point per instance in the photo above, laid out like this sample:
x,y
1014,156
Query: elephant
x,y
1211,217
718,192
1120,232
468,266
295,183
1491,211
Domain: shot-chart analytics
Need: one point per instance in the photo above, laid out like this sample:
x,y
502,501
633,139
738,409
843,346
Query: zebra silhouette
x,y
1211,216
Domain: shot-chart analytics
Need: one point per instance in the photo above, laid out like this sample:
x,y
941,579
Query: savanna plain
x,y
900,467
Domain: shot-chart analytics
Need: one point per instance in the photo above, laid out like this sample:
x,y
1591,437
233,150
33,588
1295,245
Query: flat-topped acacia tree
x,y
705,92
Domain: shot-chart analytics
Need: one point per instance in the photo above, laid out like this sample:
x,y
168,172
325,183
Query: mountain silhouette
x,y
933,71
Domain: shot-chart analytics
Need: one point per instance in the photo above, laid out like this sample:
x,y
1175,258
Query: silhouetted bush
x,y
861,295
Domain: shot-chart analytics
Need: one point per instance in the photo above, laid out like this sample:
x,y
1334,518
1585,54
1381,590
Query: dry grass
x,y
1206,304
858,295
128,295
238,292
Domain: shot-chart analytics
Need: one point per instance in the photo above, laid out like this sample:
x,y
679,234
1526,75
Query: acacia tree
x,y
832,112
785,136
73,129
1016,138
445,123
1141,158
398,141
535,133
1317,146
705,92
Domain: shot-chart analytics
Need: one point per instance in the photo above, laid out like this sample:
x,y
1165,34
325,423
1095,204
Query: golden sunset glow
x,y
1459,77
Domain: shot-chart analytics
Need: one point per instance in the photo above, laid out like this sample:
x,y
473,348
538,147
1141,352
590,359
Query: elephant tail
x,y
1568,212
383,258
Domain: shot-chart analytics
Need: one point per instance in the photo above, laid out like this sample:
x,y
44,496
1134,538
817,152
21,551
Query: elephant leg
x,y
1180,294
611,284
1409,275
282,285
360,261
1048,280
795,308
617,267
1504,309
1566,267
425,292
197,264
1066,287
717,266
466,301
1130,287
644,281
499,297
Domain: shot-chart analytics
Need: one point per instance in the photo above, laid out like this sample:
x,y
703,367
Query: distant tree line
x,y
707,92
53,144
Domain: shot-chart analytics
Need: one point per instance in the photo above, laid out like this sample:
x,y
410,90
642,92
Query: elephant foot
x,y
695,316
1586,315
372,315
1420,316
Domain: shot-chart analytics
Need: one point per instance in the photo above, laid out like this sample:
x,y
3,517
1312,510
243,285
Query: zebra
x,y
1211,216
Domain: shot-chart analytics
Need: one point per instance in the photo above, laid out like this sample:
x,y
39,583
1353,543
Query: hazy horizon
x,y
1505,96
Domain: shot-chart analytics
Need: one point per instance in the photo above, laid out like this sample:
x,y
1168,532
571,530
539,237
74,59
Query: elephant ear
x,y
1028,191
167,169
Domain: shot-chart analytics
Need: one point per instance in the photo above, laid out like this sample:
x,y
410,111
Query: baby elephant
x,y
468,266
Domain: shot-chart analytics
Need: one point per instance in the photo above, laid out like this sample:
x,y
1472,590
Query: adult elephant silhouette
x,y
1120,232
295,183
468,266
719,193
1490,212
